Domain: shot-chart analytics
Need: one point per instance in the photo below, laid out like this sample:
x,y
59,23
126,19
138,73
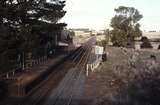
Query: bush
x,y
145,43
159,47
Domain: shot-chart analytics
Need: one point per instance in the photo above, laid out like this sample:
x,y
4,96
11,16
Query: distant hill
x,y
152,35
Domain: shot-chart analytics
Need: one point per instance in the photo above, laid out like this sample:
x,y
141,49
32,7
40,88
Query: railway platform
x,y
64,81
18,84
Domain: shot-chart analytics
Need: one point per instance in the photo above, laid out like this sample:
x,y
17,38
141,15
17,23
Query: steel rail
x,y
57,102
79,77
42,90
80,56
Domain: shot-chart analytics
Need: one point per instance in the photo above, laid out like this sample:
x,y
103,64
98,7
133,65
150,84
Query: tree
x,y
107,35
159,47
27,25
72,33
125,26
145,43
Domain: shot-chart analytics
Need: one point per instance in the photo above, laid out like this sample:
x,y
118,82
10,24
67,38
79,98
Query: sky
x,y
97,14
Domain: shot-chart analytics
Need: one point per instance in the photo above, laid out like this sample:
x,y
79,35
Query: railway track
x,y
67,91
75,65
73,100
66,97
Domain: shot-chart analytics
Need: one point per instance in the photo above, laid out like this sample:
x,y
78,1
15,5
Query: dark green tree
x,y
27,25
145,43
159,47
125,26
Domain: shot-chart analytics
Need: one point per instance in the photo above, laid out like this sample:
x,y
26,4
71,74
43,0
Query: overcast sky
x,y
96,14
